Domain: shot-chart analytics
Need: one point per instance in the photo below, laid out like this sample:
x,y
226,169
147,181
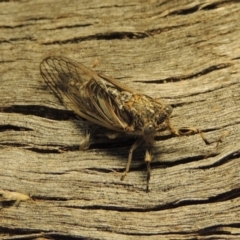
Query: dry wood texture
x,y
187,53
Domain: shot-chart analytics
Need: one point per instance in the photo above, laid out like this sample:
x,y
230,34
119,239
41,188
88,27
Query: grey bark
x,y
186,53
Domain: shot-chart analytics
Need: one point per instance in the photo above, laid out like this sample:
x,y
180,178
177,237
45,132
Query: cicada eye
x,y
168,109
149,129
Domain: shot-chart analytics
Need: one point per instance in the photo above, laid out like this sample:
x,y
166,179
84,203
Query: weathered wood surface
x,y
185,52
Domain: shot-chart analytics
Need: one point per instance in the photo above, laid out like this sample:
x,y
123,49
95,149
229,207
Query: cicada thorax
x,y
143,114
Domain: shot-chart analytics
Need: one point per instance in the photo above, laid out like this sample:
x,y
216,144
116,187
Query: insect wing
x,y
58,72
84,91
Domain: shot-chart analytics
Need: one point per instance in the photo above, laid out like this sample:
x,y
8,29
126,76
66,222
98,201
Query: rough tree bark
x,y
187,53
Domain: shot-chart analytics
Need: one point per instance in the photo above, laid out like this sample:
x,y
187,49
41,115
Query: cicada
x,y
105,101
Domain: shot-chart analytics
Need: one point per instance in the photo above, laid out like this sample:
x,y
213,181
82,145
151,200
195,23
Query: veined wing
x,y
86,92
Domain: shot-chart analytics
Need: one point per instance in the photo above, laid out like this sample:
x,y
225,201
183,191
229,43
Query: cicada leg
x,y
185,131
85,143
133,147
148,159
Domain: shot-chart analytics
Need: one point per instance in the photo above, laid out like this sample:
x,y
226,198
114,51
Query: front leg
x,y
133,147
148,159
186,131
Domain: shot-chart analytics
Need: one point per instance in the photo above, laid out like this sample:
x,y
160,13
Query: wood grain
x,y
186,53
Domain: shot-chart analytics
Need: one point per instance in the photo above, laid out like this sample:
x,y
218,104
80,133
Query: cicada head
x,y
162,115
157,124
